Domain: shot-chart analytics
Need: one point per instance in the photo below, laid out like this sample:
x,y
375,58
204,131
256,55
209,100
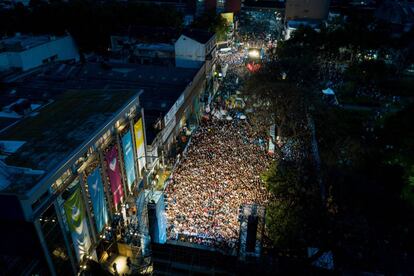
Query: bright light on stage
x,y
254,53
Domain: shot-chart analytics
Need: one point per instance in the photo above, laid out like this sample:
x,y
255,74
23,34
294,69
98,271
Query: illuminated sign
x,y
171,113
76,219
139,143
128,159
96,192
229,16
114,174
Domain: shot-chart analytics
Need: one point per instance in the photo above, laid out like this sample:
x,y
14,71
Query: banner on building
x,y
114,174
128,158
228,16
139,140
97,194
76,219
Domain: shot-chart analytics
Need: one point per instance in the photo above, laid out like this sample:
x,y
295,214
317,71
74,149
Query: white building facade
x,y
191,52
27,52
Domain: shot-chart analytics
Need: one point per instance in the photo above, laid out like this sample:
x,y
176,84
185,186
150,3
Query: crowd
x,y
233,57
219,173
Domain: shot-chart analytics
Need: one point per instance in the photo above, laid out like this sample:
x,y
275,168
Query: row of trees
x,y
367,164
214,23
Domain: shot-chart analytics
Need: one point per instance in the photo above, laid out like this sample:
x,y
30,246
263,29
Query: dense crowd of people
x,y
219,173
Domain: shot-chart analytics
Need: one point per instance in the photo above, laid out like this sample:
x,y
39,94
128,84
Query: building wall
x,y
192,92
312,9
9,60
60,49
189,53
4,61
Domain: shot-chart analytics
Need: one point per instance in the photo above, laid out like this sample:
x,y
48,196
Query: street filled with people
x,y
220,170
219,173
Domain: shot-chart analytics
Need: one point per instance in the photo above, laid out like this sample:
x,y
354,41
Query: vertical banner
x,y
128,158
76,219
96,192
114,174
139,140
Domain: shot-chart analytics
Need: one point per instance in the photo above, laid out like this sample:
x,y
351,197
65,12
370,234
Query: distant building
x,y
306,9
194,47
399,14
25,52
233,6
179,5
277,5
142,53
218,6
144,45
24,2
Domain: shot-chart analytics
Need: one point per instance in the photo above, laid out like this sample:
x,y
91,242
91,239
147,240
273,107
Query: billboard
x,y
111,158
139,140
96,192
128,158
76,219
228,16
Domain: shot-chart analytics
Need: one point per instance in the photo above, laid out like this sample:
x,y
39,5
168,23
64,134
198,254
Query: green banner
x,y
74,211
76,220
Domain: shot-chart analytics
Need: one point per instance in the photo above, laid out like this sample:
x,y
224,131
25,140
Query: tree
x,y
295,217
214,23
280,102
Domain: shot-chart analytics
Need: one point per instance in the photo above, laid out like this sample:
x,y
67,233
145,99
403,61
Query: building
x,y
276,5
144,45
305,9
143,53
179,5
68,172
172,99
398,14
194,48
25,52
233,6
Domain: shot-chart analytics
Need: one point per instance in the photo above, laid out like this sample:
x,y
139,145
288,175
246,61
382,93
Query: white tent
x,y
328,91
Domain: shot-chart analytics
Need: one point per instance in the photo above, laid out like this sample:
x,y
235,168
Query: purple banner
x,y
114,174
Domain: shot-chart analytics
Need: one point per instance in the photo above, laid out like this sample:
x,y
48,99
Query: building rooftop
x,y
155,46
396,12
21,42
59,128
269,4
162,85
200,36
152,34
